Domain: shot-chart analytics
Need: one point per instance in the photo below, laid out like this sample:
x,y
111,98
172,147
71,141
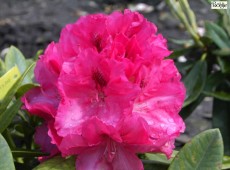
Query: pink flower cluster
x,y
107,93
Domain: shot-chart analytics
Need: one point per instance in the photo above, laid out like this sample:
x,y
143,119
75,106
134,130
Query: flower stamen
x,y
110,150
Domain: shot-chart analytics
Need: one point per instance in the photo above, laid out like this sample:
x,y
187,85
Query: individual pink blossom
x,y
107,92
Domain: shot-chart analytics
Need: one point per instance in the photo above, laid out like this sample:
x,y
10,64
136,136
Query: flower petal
x,y
44,141
38,102
126,160
93,159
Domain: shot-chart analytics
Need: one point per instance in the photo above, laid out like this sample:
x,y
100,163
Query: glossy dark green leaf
x,y
195,81
153,166
203,152
178,53
217,34
157,161
6,159
187,110
213,80
7,116
15,57
222,95
221,120
184,67
27,153
57,163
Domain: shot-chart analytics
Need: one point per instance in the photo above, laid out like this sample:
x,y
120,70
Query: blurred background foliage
x,y
206,68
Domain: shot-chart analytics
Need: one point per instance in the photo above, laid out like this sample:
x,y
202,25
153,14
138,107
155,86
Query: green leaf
x,y
184,67
184,13
187,110
38,53
190,14
224,63
213,80
222,52
6,159
206,40
226,20
150,166
23,89
157,161
195,81
217,34
160,158
8,80
57,163
4,103
180,52
226,162
15,57
27,153
222,95
221,120
203,152
2,67
7,116
30,74
186,43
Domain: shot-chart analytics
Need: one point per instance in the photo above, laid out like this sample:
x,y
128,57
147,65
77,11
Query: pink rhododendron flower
x,y
107,92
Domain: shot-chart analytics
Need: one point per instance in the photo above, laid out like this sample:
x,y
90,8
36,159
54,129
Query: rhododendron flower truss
x,y
107,92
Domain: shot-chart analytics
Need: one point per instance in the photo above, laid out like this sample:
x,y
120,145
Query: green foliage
x,y
203,152
27,153
7,116
221,120
195,81
16,78
11,92
161,158
2,67
182,10
6,159
15,57
216,49
57,163
217,35
8,80
226,162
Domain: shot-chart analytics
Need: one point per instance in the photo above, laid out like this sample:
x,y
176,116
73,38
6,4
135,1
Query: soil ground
x,y
32,24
